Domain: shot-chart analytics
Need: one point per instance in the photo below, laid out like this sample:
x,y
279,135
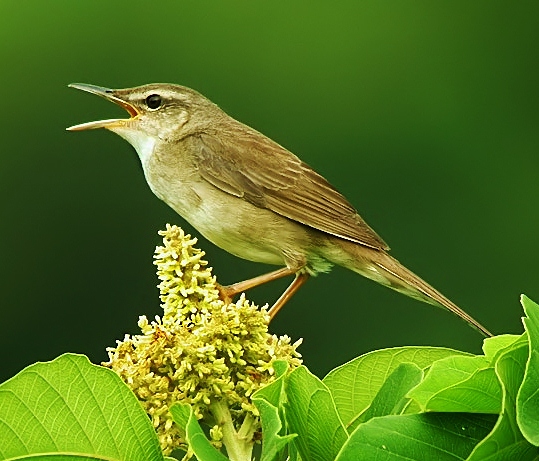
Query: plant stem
x,y
238,444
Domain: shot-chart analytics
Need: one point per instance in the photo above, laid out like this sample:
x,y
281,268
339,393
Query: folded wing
x,y
247,164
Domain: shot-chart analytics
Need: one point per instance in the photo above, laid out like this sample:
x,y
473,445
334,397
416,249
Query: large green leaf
x,y
459,384
528,395
72,409
422,437
506,442
355,384
310,413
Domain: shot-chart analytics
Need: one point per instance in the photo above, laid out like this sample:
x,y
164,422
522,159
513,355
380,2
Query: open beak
x,y
109,94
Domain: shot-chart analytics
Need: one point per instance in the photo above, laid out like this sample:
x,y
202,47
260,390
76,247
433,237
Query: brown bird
x,y
251,196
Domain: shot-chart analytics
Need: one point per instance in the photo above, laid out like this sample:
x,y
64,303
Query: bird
x,y
251,196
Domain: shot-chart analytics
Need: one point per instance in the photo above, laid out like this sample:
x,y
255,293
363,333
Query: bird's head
x,y
158,111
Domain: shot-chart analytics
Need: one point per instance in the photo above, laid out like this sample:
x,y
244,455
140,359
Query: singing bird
x,y
251,196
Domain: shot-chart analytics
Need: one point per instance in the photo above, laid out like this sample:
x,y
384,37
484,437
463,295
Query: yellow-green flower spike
x,y
201,351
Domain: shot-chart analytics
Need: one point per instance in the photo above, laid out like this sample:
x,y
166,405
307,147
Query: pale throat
x,y
143,143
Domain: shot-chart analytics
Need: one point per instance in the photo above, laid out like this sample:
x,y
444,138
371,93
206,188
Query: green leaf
x,y
459,384
202,448
268,401
528,395
75,409
391,398
495,345
272,442
422,437
280,367
355,384
506,442
273,393
310,412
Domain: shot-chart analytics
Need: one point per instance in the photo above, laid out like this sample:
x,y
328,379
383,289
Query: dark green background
x,y
424,114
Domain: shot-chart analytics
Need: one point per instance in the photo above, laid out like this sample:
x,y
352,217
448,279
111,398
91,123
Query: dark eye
x,y
154,101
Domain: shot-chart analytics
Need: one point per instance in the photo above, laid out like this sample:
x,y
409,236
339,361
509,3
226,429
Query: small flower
x,y
201,350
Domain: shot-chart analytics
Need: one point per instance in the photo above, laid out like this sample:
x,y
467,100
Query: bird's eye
x,y
154,101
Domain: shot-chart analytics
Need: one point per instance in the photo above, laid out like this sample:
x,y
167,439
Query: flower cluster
x,y
201,351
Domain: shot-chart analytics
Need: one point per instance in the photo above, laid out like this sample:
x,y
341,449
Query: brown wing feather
x,y
247,164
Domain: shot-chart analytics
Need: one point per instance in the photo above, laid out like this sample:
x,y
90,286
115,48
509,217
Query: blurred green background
x,y
424,114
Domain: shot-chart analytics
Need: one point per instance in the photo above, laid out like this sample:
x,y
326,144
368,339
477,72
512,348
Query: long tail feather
x,y
383,268
414,286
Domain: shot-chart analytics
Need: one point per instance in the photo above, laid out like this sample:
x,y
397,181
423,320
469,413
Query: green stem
x,y
238,444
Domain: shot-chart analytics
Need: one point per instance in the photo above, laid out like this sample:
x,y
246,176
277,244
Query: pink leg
x,y
229,291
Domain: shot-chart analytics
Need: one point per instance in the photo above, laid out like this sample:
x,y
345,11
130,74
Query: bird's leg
x,y
229,291
301,278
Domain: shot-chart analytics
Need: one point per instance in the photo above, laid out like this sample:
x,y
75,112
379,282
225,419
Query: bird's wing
x,y
249,165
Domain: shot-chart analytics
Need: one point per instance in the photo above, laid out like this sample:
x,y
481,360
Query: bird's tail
x,y
383,268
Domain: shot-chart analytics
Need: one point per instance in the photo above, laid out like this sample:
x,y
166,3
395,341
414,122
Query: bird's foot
x,y
226,293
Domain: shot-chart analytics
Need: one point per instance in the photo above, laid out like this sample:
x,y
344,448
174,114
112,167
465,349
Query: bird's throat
x,y
143,143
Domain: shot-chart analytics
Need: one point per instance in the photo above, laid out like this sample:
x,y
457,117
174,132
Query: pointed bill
x,y
110,95
94,125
